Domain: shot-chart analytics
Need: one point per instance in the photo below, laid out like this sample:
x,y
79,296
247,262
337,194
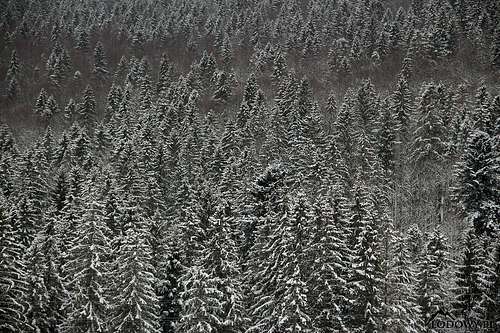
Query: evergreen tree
x,y
387,140
14,67
402,106
70,110
262,234
13,285
476,188
136,306
170,287
495,48
490,285
467,291
88,307
51,108
82,39
429,145
47,292
87,107
222,87
432,267
367,275
291,313
328,293
100,64
279,67
202,302
165,75
41,102
13,89
402,311
220,262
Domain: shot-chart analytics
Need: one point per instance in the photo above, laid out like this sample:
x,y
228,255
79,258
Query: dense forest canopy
x,y
257,166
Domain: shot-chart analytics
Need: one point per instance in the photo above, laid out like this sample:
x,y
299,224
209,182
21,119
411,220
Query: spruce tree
x,y
292,307
467,291
87,107
165,75
41,102
171,287
82,39
88,267
13,284
400,305
14,67
402,106
279,67
476,188
432,267
201,306
47,292
262,235
13,89
429,145
51,108
100,63
495,49
222,87
367,275
489,305
328,293
135,304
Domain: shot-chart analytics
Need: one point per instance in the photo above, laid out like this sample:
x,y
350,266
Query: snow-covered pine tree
x,y
279,67
468,289
495,49
87,267
386,145
201,304
429,145
40,102
222,87
481,117
476,190
489,305
432,267
70,110
100,63
135,303
47,292
13,286
291,305
221,261
82,39
13,89
401,310
366,280
87,107
170,287
402,108
51,108
165,75
262,235
330,258
14,67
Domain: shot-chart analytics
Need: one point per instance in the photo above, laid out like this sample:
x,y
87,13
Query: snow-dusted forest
x,y
249,166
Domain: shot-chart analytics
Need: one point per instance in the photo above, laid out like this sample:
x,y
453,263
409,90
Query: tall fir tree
x,y
88,265
12,277
476,189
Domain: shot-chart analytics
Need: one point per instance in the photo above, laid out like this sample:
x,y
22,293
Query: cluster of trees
x,y
216,189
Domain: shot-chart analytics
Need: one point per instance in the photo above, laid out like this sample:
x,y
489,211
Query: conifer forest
x,y
249,166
